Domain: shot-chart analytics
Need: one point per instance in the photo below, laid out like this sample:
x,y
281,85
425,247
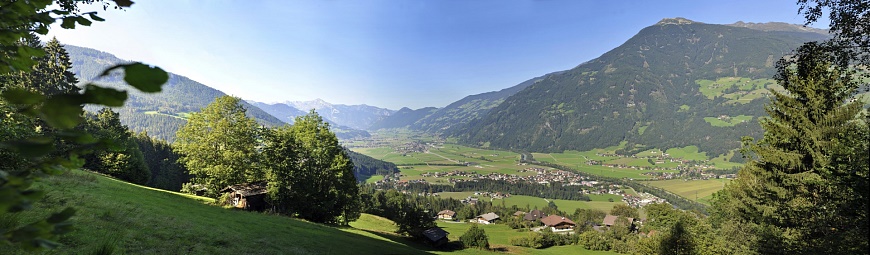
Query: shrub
x,y
592,240
475,237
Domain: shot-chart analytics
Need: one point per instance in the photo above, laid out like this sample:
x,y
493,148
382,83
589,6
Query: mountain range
x,y
162,114
671,85
675,83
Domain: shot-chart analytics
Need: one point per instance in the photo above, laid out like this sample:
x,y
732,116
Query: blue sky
x,y
392,54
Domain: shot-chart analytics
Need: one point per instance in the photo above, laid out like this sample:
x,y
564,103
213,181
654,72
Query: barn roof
x,y
488,216
533,215
435,234
447,212
610,220
247,189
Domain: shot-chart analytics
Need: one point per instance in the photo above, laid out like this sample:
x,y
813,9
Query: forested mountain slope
x,y
403,118
674,84
159,113
466,109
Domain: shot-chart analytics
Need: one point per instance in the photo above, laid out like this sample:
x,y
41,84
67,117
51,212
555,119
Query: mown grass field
x,y
698,190
732,121
712,89
599,202
134,220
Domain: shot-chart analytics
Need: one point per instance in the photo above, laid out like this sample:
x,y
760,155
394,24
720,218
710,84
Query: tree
x,y
307,164
125,161
51,75
280,150
475,237
808,173
623,210
677,241
219,145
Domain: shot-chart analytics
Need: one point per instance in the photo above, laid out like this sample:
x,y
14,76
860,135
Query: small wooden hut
x,y
248,196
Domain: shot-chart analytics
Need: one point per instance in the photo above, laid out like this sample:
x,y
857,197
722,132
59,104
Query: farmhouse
x,y
436,236
610,220
558,223
488,218
446,214
248,196
533,215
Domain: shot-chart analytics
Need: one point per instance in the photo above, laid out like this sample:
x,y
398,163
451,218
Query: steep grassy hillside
x,y
135,219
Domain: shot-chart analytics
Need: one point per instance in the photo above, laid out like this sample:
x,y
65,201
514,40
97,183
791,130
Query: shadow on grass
x,y
422,246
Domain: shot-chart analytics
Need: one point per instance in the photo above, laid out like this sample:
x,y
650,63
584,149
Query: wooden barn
x,y
436,236
248,196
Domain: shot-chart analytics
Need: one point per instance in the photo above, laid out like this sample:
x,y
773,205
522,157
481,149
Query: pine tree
x,y
806,182
51,74
219,145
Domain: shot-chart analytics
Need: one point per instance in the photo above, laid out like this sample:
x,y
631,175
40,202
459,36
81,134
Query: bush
x,y
592,240
475,237
543,240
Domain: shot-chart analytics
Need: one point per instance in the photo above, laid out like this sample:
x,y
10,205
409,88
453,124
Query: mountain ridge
x,y
651,83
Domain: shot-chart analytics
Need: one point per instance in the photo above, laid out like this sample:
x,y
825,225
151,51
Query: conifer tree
x,y
805,185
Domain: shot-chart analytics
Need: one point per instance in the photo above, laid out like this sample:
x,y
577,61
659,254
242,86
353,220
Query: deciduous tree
x,y
219,145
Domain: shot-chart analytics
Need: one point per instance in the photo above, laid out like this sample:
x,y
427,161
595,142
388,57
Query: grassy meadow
x,y
133,219
599,202
698,190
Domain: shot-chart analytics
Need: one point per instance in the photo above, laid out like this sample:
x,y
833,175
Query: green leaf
x,y
63,111
104,96
22,96
123,3
61,216
83,21
69,23
144,77
95,17
43,29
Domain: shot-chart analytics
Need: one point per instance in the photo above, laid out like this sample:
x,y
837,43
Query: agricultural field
x,y
448,158
183,115
698,190
687,153
727,122
738,89
721,162
599,202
